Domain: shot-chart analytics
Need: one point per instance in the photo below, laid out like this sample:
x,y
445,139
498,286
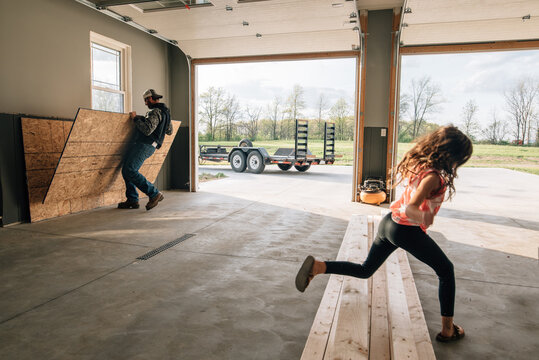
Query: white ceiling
x,y
314,26
286,26
469,21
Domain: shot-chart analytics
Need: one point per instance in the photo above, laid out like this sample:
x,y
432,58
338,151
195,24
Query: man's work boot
x,y
154,201
128,204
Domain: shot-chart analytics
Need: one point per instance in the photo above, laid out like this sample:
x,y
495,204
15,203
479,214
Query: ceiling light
x,y
152,31
258,36
245,23
337,5
229,8
408,10
353,15
126,18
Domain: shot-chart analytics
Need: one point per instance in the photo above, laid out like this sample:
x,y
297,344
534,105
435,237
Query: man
x,y
150,131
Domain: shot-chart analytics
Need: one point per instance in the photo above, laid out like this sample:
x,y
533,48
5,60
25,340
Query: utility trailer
x,y
245,156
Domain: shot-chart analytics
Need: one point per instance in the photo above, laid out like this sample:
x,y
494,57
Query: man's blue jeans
x,y
135,157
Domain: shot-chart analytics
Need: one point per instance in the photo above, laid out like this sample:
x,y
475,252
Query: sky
x,y
482,77
257,84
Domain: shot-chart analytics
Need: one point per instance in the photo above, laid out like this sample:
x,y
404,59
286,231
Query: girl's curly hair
x,y
444,150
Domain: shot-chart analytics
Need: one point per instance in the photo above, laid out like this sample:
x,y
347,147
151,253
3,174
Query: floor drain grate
x,y
164,247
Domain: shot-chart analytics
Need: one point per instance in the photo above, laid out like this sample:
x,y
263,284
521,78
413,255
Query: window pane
x,y
107,101
105,67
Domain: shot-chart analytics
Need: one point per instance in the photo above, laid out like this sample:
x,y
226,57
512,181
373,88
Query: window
x,y
111,74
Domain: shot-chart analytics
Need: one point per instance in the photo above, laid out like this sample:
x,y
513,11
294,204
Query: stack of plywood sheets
x,y
88,172
378,319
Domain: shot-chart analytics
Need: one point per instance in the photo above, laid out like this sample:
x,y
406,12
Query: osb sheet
x,y
43,142
88,172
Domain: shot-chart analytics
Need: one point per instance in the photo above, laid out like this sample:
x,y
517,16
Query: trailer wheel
x,y
284,167
245,143
255,163
302,168
237,161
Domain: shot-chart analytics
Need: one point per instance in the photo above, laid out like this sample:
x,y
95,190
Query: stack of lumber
x,y
376,318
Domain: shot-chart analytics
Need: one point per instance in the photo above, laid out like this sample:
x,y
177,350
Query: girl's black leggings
x,y
412,239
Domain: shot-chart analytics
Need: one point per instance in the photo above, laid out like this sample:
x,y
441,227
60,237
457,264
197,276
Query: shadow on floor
x,y
496,302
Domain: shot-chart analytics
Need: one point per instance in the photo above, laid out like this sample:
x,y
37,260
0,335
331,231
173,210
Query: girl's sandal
x,y
304,275
456,335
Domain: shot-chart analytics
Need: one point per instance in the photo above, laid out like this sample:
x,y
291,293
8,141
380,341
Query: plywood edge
x,y
58,163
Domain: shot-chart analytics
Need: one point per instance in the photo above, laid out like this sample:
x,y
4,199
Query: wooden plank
x,y
419,325
323,329
315,347
349,338
402,342
379,331
278,57
467,48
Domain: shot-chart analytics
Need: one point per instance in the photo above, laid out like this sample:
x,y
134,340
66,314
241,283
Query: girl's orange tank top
x,y
432,203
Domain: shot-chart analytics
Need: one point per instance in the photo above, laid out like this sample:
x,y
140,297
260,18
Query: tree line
x,y
224,118
519,124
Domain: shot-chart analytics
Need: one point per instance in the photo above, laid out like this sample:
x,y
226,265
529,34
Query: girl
x,y
428,169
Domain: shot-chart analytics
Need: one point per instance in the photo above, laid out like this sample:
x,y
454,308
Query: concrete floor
x,y
72,288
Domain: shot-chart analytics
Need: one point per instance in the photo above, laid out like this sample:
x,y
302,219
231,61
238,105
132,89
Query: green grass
x,y
208,177
505,156
534,171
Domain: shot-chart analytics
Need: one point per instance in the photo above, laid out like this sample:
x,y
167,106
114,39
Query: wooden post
x,y
193,133
358,148
393,116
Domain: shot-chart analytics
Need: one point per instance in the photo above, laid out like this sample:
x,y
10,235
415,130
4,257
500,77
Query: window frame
x,y
125,70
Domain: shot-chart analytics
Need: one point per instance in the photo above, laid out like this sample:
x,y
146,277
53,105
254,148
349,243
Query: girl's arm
x,y
427,186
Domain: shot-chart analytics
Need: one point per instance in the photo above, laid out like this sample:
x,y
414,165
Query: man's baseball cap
x,y
152,93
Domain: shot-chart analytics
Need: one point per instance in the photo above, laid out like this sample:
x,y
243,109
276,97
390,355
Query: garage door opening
x,y
491,96
292,115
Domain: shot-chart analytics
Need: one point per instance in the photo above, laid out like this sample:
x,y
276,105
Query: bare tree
x,y
521,105
231,112
425,99
274,111
322,107
339,113
495,131
211,105
470,125
403,125
251,124
295,104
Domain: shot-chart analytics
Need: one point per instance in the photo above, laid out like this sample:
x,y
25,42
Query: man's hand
x,y
132,115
